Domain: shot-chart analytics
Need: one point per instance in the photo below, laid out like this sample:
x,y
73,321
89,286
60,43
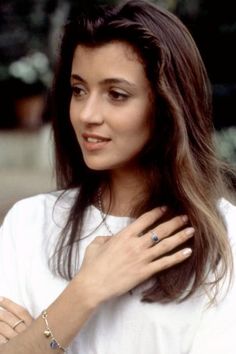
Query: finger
x,y
163,230
7,331
11,320
170,243
145,221
19,326
171,226
3,340
20,312
168,261
166,244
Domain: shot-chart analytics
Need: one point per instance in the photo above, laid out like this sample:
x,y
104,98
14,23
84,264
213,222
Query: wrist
x,y
77,303
91,295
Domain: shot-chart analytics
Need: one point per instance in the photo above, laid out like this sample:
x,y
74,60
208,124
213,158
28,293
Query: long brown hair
x,y
180,161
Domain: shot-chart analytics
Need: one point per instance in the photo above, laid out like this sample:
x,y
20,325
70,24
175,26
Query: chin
x,y
105,165
97,166
101,166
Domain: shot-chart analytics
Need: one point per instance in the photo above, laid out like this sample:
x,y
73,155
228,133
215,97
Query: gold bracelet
x,y
54,344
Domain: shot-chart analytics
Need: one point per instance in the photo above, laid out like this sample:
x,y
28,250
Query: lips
x,y
92,142
92,138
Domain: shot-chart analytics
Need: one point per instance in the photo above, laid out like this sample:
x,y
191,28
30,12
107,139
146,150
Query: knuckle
x,y
6,302
5,330
4,315
3,340
165,263
164,245
144,217
150,216
171,260
133,248
182,237
179,221
22,313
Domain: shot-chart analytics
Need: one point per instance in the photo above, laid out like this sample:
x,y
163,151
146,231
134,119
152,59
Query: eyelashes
x,y
118,96
114,95
78,91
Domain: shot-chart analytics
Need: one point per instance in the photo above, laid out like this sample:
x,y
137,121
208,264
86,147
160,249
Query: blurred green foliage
x,y
226,144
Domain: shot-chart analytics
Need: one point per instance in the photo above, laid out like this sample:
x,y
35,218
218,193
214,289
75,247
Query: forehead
x,y
113,57
111,48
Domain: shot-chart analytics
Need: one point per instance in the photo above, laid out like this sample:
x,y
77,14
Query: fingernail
x,y
189,231
185,218
163,208
187,252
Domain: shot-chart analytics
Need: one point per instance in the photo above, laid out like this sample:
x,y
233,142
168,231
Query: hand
x,y
114,265
10,316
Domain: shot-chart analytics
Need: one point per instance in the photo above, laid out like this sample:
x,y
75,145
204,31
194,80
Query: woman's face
x,y
110,106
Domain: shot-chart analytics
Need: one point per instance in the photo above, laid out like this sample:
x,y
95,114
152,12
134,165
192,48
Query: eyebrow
x,y
107,81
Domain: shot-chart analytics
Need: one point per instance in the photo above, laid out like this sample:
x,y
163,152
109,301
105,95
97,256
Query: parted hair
x,y
180,163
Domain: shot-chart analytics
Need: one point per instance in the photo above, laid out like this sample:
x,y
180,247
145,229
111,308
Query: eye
x,y
116,95
78,91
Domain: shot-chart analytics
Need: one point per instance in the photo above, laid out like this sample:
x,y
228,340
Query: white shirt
x,y
122,325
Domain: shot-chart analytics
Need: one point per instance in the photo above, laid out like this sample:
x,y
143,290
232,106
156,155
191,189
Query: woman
x,y
135,255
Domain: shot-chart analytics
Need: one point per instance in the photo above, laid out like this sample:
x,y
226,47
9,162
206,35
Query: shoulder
x,y
38,211
47,201
32,205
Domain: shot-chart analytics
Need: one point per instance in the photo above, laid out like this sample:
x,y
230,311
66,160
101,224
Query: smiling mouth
x,y
95,140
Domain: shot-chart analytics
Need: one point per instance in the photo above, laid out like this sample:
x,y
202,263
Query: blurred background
x,y
29,36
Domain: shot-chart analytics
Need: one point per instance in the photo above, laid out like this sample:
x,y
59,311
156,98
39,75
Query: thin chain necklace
x,y
103,215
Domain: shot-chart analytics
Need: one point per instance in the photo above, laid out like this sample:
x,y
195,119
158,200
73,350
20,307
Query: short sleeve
x,y
9,267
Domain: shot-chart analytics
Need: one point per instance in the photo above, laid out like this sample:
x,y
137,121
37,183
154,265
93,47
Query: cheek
x,y
139,124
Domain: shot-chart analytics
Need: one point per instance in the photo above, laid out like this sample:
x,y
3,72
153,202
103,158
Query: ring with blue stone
x,y
154,237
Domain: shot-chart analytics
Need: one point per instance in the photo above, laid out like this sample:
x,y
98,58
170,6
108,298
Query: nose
x,y
91,110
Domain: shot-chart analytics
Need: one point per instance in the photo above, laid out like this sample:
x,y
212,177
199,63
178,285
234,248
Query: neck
x,y
127,190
